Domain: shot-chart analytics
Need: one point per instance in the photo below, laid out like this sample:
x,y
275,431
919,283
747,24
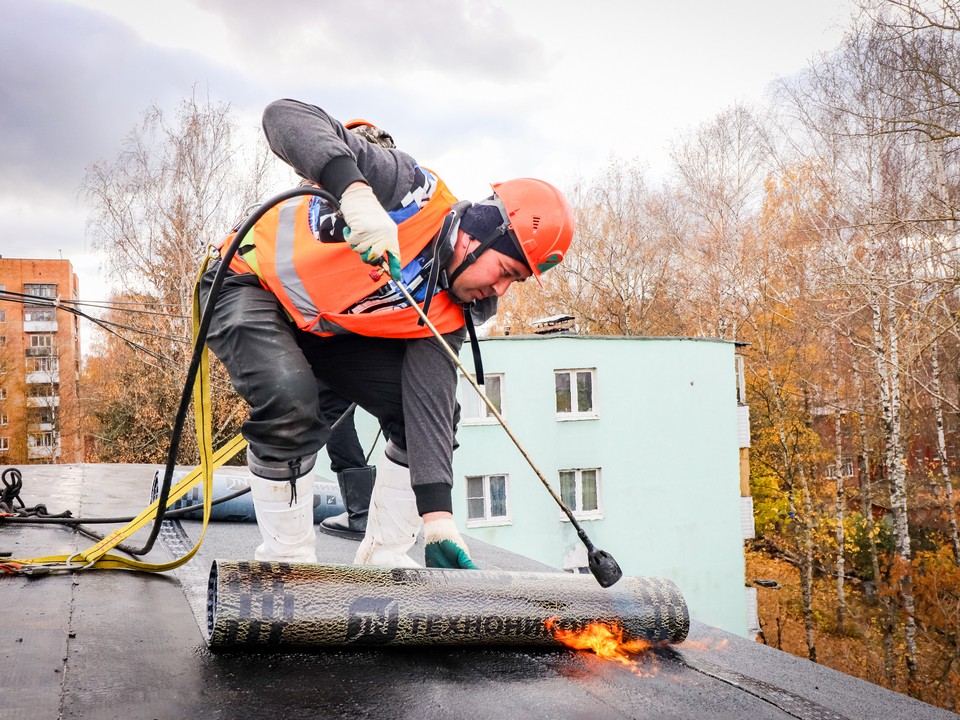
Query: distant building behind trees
x,y
39,363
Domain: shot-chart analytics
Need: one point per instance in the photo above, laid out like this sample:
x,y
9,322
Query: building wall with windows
x,y
39,363
639,436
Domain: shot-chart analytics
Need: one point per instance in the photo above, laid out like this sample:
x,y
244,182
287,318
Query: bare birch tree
x,y
720,168
177,186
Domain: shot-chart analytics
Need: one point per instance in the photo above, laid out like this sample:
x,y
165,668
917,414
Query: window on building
x,y
43,440
580,491
40,344
43,389
3,316
4,444
475,410
43,364
40,415
42,314
487,500
575,389
3,393
846,469
47,290
4,420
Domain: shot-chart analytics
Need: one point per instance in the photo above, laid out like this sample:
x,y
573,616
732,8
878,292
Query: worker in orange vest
x,y
295,309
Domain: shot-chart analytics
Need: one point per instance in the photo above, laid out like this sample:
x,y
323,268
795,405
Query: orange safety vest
x,y
316,281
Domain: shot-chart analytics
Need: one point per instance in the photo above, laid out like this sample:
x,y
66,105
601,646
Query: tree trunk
x,y
806,552
889,371
806,566
838,465
866,507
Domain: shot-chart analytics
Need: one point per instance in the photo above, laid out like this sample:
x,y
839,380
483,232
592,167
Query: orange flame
x,y
604,639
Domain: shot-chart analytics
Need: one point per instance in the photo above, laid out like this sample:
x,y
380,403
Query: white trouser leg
x,y
286,527
393,522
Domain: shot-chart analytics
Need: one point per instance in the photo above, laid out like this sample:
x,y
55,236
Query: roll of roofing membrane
x,y
326,497
297,605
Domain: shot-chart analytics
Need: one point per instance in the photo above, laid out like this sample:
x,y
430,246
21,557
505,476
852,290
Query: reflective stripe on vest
x,y
316,281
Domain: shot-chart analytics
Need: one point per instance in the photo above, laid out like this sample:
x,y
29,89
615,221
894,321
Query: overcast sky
x,y
479,90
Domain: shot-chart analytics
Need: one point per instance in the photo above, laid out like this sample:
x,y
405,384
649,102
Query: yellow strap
x,y
96,556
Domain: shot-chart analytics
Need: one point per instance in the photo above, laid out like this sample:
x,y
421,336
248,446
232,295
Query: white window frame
x,y
42,440
830,472
4,419
3,393
593,514
41,340
574,413
468,396
4,444
488,520
43,364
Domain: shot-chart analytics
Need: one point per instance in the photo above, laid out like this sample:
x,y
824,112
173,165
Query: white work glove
x,y
370,231
445,547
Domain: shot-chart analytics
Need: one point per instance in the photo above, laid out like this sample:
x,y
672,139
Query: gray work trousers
x,y
408,385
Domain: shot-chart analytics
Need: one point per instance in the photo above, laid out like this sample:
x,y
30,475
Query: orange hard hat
x,y
541,220
357,122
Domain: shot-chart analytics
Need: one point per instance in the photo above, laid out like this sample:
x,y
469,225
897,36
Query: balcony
x,y
44,326
41,377
41,452
43,401
743,425
39,352
40,427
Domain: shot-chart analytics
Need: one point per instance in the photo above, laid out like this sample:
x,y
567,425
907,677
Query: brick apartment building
x,y
39,363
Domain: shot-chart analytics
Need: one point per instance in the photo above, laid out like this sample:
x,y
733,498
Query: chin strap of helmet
x,y
474,345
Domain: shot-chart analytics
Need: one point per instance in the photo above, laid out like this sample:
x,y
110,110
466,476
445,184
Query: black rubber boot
x,y
356,485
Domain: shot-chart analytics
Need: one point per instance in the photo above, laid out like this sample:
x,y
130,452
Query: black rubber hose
x,y
200,345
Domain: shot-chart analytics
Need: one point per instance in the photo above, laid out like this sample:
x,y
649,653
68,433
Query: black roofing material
x,y
298,605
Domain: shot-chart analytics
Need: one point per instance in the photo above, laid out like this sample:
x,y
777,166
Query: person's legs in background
x,y
347,460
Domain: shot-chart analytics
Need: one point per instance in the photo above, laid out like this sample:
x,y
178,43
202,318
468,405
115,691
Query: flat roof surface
x,y
120,644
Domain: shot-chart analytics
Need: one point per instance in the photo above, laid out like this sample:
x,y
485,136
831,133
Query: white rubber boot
x,y
285,517
393,522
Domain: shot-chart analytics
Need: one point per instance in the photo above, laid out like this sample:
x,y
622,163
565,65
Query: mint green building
x,y
640,438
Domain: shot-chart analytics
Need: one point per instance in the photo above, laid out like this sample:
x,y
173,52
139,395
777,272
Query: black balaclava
x,y
481,219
